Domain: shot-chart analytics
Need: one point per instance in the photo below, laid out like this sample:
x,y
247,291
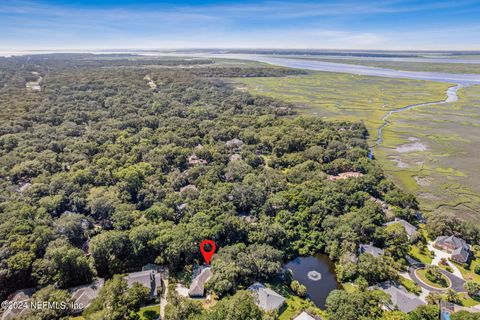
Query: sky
x,y
148,24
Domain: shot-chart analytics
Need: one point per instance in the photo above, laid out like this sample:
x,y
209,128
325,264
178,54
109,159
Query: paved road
x,y
439,254
457,283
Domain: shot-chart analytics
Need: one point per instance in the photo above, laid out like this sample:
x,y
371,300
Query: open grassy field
x,y
340,96
444,168
430,151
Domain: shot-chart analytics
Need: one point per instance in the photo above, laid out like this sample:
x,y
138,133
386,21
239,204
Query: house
x,y
235,157
150,279
197,287
20,298
459,249
235,144
266,298
368,248
344,175
194,160
306,316
83,295
409,229
400,297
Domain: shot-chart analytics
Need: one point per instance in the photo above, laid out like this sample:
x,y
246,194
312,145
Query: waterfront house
x,y
368,248
459,249
409,228
266,298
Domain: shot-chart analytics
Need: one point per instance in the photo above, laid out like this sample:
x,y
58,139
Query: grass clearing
x,y
410,285
424,256
468,274
468,301
293,304
149,313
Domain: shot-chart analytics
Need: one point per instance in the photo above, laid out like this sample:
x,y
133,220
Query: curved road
x,y
457,283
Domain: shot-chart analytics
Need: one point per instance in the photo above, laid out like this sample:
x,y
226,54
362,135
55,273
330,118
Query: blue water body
x,y
317,274
465,79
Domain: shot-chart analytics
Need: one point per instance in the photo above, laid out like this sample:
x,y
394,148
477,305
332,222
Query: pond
x,y
317,274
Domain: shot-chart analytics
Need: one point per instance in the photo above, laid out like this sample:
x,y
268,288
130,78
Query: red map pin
x,y
207,255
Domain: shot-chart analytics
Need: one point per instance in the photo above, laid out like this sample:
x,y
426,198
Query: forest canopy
x,y
143,173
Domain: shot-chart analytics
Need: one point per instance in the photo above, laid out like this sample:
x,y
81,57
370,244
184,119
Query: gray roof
x,y
197,287
401,298
410,229
461,254
148,278
21,297
234,143
151,266
367,248
454,242
83,295
305,316
266,298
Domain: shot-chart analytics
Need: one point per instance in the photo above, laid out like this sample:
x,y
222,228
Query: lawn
x,y
424,257
421,273
410,286
149,313
293,304
469,274
467,301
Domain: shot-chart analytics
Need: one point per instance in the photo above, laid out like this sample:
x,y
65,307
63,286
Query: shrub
x,y
477,269
299,289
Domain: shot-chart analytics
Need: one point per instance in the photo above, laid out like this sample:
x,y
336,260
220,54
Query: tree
x,y
116,301
434,298
452,296
73,226
465,315
60,300
102,201
131,179
63,265
396,240
110,252
299,289
180,308
394,315
240,306
425,312
477,269
239,264
473,288
363,305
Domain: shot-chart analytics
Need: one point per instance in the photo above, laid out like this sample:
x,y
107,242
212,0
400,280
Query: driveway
x,y
457,283
439,254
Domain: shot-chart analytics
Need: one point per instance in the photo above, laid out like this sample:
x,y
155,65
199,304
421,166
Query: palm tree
x,y
452,296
